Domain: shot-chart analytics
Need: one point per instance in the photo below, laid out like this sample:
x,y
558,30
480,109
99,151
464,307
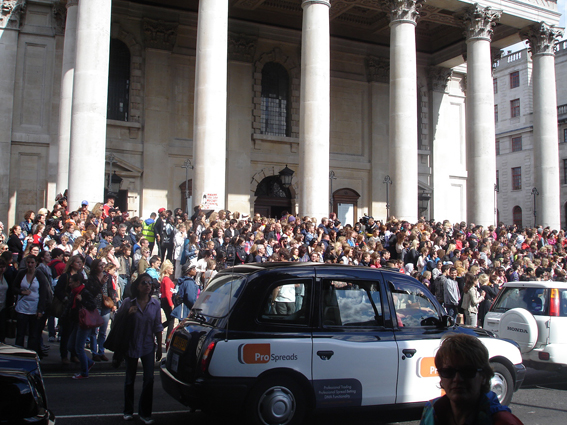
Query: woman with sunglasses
x,y
463,366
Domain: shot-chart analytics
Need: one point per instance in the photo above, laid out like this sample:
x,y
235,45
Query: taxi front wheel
x,y
276,400
502,383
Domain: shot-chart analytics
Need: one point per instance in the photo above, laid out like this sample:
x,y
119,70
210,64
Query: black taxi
x,y
274,341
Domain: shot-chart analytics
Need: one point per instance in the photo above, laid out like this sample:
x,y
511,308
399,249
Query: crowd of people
x,y
52,259
55,263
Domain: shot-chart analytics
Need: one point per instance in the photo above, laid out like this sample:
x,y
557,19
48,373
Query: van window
x,y
535,300
351,304
219,297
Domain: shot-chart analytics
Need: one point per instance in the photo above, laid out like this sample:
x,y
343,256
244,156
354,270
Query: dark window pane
x,y
516,144
118,81
515,79
275,100
517,178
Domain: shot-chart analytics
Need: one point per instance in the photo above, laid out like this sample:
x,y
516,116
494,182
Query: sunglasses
x,y
465,372
145,282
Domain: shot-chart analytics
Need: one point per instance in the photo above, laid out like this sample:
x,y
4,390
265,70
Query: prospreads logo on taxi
x,y
261,353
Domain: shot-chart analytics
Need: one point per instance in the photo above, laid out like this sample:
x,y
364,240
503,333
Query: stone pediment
x,y
123,168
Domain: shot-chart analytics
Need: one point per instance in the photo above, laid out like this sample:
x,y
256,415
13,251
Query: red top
x,y
165,289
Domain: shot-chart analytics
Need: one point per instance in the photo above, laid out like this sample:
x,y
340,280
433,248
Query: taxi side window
x,y
287,302
351,304
412,306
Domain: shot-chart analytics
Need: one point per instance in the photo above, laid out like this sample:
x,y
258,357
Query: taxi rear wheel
x,y
276,400
502,383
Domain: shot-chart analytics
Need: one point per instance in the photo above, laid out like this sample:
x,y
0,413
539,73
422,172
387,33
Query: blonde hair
x,y
165,266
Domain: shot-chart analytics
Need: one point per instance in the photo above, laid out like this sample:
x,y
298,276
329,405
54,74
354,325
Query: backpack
x,y
54,274
189,295
230,255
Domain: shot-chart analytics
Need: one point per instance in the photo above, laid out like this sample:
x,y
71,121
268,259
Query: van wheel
x,y
502,383
276,400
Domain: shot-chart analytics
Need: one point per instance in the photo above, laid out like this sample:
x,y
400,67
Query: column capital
x,y
11,13
541,38
404,10
377,69
438,78
159,34
72,3
308,2
479,21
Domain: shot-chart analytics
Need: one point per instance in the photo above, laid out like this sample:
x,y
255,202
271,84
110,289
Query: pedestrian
x,y
463,365
471,299
80,298
31,288
144,344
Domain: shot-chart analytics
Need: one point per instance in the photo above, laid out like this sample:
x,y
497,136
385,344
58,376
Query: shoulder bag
x,y
90,319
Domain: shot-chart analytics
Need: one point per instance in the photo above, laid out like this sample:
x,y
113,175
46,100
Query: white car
x,y
533,314
277,340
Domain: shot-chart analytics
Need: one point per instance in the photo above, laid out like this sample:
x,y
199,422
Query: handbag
x,y
57,307
90,319
107,301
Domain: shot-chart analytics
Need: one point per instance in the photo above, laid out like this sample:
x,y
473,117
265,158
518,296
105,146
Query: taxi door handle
x,y
408,352
325,355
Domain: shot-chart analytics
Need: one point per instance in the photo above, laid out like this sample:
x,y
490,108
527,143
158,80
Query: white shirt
x,y
27,304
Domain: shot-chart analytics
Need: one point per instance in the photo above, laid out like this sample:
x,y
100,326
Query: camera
x,y
364,220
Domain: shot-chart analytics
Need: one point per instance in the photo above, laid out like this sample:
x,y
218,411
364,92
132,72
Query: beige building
x,y
348,94
513,95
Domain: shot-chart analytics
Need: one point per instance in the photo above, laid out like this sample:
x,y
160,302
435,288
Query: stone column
x,y
403,109
541,38
209,128
314,110
481,156
90,91
9,31
66,102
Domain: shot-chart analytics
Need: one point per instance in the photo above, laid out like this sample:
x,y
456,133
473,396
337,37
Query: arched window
x,y
118,81
275,100
517,216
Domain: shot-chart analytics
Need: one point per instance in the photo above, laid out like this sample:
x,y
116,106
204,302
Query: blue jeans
x,y
76,345
147,396
98,335
452,310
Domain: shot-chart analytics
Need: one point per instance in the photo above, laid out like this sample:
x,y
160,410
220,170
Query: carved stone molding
x,y
241,48
438,78
405,10
59,17
248,4
377,69
541,38
11,13
463,84
159,34
306,2
479,21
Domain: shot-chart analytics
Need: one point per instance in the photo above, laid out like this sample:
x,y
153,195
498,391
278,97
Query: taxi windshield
x,y
219,297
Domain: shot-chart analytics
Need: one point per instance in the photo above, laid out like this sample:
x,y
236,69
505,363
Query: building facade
x,y
377,106
518,195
